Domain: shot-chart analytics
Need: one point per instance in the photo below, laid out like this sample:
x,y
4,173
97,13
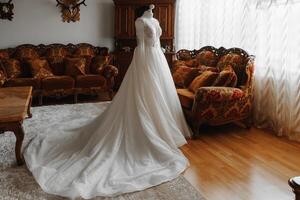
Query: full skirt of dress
x,y
131,146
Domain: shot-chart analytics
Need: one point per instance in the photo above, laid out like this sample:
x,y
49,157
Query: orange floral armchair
x,y
216,105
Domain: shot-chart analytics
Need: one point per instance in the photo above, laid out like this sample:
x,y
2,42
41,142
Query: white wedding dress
x,y
131,146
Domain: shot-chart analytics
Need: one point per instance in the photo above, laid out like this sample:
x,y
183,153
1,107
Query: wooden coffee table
x,y
15,105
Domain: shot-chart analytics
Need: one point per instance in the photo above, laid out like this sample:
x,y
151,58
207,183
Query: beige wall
x,y
39,21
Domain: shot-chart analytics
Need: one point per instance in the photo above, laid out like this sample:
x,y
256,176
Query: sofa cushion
x,y
86,81
4,54
40,68
238,64
186,98
75,66
84,51
58,82
98,63
205,79
184,75
56,52
17,82
191,63
57,65
12,68
26,53
207,58
226,78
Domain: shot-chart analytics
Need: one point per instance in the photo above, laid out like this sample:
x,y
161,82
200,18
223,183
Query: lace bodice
x,y
148,32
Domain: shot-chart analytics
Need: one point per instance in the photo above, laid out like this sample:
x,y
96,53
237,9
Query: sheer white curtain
x,y
268,29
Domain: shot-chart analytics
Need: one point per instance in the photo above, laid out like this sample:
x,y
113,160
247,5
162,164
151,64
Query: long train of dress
x,y
131,146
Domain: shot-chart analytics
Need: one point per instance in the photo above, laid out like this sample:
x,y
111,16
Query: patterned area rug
x,y
18,183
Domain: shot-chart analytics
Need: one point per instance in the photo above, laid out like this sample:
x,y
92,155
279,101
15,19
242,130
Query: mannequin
x,y
149,13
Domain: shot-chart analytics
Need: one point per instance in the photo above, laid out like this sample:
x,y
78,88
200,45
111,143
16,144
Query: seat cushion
x,y
186,98
58,82
90,80
17,82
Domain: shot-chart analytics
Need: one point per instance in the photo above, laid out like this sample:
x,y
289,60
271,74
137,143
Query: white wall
x,y
39,21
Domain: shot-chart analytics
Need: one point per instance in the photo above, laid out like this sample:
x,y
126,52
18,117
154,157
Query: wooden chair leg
x,y
195,128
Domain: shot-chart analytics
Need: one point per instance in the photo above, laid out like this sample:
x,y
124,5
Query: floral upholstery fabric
x,y
207,58
218,94
84,51
40,68
226,78
57,65
184,55
110,71
56,52
207,68
186,97
12,68
4,54
75,66
2,75
204,79
237,62
184,75
98,63
228,98
26,53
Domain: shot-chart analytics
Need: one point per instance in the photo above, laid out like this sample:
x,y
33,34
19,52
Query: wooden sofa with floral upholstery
x,y
214,85
58,70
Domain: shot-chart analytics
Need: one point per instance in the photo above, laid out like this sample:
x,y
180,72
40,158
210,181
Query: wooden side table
x,y
295,184
15,105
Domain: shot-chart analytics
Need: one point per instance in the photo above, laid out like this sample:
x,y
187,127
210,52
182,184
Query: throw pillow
x,y
57,65
75,66
12,68
204,79
98,63
40,68
184,75
226,78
